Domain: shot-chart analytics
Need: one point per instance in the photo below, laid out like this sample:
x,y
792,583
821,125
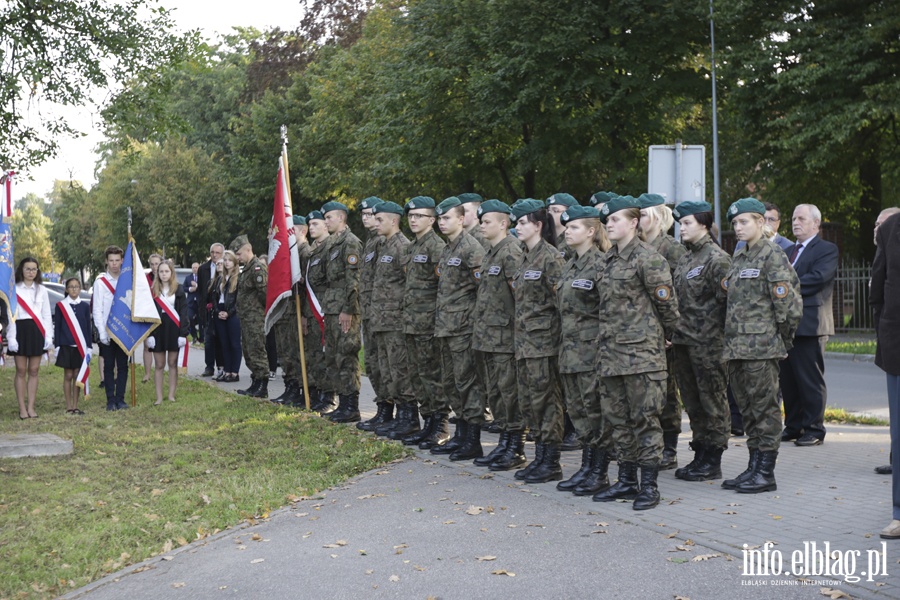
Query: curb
x,y
868,358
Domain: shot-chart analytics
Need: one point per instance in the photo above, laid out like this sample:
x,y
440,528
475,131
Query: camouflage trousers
x,y
462,386
373,369
670,417
755,387
583,405
287,343
702,380
425,373
253,341
631,404
315,355
393,364
498,372
342,355
541,398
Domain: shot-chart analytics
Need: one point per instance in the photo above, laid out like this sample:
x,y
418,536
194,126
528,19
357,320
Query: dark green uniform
x,y
493,336
475,232
342,296
537,341
370,344
388,290
420,299
251,307
314,338
564,251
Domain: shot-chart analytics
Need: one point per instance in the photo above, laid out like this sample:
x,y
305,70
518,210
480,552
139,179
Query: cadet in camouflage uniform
x,y
453,322
387,298
579,309
656,220
341,306
251,308
384,412
493,336
320,396
287,342
638,314
471,202
764,309
422,257
698,341
537,339
598,199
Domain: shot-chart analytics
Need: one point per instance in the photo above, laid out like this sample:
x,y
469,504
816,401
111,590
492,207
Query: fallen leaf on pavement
x,y
394,578
832,593
704,557
180,584
256,537
474,510
503,572
487,557
257,560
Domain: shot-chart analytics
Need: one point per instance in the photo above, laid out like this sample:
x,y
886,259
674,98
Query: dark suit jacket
x,y
203,279
885,295
817,268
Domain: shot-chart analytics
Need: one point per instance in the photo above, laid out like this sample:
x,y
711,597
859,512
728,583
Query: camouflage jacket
x,y
389,286
537,317
495,307
341,293
698,281
638,310
579,309
367,272
460,261
764,303
670,249
251,289
314,271
421,262
564,251
475,232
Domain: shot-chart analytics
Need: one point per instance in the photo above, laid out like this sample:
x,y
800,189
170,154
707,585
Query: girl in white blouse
x,y
31,334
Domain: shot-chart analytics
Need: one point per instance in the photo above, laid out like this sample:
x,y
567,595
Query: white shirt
x,y
37,298
103,300
801,247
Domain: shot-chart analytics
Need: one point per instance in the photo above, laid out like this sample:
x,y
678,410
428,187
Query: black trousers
x,y
803,386
115,369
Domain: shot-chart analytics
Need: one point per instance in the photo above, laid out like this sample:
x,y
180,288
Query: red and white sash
x,y
109,286
37,321
314,305
84,349
183,351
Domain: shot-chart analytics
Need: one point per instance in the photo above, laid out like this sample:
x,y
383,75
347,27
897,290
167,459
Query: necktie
x,y
796,252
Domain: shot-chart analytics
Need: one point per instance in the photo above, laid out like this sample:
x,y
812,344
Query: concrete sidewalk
x,y
426,527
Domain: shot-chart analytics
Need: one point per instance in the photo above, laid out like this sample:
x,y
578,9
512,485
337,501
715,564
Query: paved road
x,y
856,386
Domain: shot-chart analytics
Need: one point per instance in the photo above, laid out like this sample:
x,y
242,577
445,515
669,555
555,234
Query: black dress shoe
x,y
884,470
808,439
737,432
207,372
789,436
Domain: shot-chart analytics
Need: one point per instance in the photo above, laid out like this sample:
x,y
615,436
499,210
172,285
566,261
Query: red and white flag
x,y
284,258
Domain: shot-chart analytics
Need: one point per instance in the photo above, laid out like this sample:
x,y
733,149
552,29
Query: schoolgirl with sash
x,y
30,333
72,327
169,341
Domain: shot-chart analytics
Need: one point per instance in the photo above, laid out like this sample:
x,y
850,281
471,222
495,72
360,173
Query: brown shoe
x,y
892,531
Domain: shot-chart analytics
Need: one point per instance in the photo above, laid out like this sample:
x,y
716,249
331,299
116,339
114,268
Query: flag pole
x,y
131,357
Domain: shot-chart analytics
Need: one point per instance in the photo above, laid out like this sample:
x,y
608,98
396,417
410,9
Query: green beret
x,y
579,212
616,204
316,214
388,207
526,206
563,199
648,200
370,202
602,198
447,204
745,205
690,207
333,205
419,202
469,197
299,220
493,206
238,243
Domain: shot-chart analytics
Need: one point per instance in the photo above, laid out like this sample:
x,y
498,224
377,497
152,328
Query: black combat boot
x,y
648,497
298,400
539,448
416,437
288,386
598,479
409,425
499,450
326,402
315,398
254,385
384,413
455,442
762,479
549,469
730,484
699,449
351,409
670,451
495,426
471,447
262,390
570,437
341,409
399,421
514,457
587,457
625,488
710,468
439,434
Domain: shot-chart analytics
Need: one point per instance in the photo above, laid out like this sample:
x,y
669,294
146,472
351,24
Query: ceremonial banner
x,y
133,313
7,180
284,258
7,271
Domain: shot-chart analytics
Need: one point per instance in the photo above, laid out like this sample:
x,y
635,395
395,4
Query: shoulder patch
x,y
259,278
352,259
780,290
663,293
724,283
437,270
476,273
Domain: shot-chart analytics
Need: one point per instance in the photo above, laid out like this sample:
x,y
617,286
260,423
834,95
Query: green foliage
x,y
74,231
30,232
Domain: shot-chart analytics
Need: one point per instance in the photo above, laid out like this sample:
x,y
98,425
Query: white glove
x,y
48,345
13,345
104,339
181,342
151,343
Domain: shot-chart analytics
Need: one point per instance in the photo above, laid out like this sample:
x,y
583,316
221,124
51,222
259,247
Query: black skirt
x,y
68,357
31,342
166,335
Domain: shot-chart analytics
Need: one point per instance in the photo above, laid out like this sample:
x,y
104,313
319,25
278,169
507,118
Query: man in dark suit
x,y
205,274
803,371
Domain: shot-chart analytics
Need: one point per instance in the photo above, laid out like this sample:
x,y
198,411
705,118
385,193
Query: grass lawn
x,y
867,347
152,478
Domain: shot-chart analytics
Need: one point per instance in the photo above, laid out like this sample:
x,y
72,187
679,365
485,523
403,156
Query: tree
x,y
31,237
74,231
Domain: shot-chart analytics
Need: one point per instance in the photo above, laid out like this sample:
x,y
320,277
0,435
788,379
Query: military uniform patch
x,y
315,262
259,279
420,258
780,290
663,292
454,262
531,275
749,273
494,270
370,256
352,259
476,273
695,272
724,283
387,259
334,255
437,270
583,284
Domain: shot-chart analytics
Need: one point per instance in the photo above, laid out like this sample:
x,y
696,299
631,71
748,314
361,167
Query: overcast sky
x,y
77,157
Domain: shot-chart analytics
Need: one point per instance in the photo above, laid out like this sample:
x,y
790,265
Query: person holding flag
x,y
168,342
251,307
115,360
30,332
321,399
72,334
